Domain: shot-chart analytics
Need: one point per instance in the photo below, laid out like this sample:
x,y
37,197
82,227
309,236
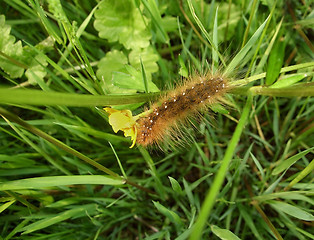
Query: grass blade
x,y
306,171
55,181
48,221
224,234
240,56
214,190
286,164
36,97
291,210
171,215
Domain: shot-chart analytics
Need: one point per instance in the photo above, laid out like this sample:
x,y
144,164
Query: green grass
x,y
65,174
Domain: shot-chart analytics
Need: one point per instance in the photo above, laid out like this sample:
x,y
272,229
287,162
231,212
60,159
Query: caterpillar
x,y
173,109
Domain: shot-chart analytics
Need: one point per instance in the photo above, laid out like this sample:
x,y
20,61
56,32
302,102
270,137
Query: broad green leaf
x,y
288,80
171,215
114,61
14,58
149,59
292,210
146,59
183,71
122,21
175,185
265,56
55,181
153,10
286,164
223,234
119,77
11,49
232,23
36,71
169,23
275,61
133,80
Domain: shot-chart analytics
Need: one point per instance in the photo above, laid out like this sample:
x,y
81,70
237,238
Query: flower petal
x,y
131,132
124,121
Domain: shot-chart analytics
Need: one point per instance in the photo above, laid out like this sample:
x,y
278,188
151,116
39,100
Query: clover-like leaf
x,y
232,24
120,77
36,69
114,61
149,60
11,49
132,80
12,53
122,21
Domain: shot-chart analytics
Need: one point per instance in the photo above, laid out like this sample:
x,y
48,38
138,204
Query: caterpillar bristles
x,y
168,115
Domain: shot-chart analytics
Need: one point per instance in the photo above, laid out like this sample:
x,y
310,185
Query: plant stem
x,y
298,90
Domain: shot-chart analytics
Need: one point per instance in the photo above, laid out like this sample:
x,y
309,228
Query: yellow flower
x,y
124,121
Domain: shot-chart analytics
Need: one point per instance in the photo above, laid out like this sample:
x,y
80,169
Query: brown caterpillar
x,y
177,105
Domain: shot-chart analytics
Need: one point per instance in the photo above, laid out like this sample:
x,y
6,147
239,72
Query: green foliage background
x,y
64,174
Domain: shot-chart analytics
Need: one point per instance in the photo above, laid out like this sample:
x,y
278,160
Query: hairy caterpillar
x,y
165,115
